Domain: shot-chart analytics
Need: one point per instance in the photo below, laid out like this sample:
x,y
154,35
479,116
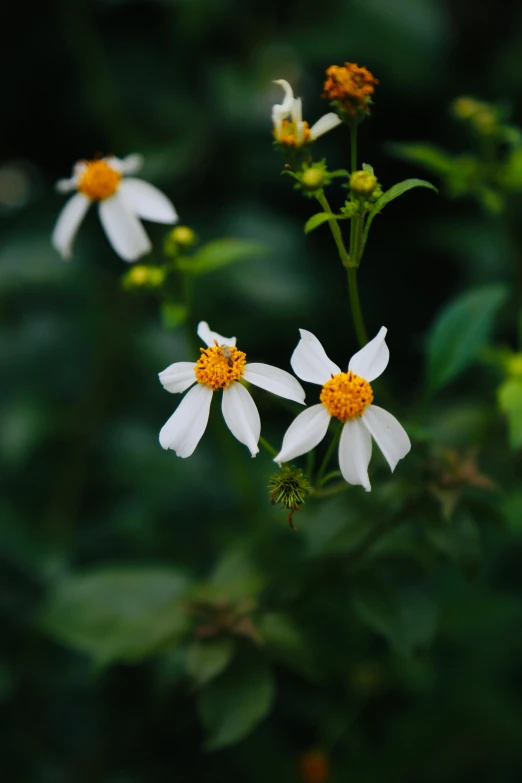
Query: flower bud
x,y
362,183
314,178
141,276
184,236
514,365
289,487
349,88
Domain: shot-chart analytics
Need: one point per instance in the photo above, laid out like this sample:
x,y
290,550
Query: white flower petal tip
x,y
326,123
211,338
132,163
355,450
178,377
372,360
124,230
274,380
304,433
147,201
68,224
388,433
186,426
310,362
241,416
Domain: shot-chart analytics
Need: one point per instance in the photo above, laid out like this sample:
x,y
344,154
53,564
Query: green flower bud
x,y
514,365
141,276
314,178
289,487
350,209
362,183
184,236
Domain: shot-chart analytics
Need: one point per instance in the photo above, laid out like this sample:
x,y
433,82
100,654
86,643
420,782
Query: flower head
x,y
290,130
121,199
348,397
350,88
219,368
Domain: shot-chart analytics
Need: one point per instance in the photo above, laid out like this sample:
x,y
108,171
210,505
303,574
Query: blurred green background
x,y
403,665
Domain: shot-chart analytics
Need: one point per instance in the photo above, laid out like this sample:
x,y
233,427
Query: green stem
x,y
268,447
355,302
330,450
353,147
336,231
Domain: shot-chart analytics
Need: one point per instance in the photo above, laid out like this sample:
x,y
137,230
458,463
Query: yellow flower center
x,y
346,395
99,180
287,136
219,365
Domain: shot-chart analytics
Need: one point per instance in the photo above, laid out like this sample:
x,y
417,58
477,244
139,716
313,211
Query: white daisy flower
x,y
220,366
122,200
346,396
295,132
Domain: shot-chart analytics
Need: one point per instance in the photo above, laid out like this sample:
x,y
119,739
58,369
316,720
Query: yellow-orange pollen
x,y
350,84
346,395
219,365
287,136
99,180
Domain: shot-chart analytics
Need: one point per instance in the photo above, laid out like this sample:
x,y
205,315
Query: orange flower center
x,y
350,84
287,136
99,180
219,365
346,395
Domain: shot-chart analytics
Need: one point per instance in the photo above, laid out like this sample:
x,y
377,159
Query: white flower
x,y
346,396
296,132
122,200
220,366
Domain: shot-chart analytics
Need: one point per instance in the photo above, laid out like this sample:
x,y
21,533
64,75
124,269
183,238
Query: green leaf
x,y
173,315
510,402
460,332
319,218
432,158
286,642
390,195
117,613
205,660
220,254
232,705
406,616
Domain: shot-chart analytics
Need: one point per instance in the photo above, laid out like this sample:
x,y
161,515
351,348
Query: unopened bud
x,y
362,183
141,276
289,487
514,365
313,178
184,236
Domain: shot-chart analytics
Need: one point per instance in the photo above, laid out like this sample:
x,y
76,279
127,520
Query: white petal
x,y
131,164
68,223
186,426
124,230
355,450
147,202
178,376
304,433
299,133
297,110
372,360
241,416
278,116
286,106
310,362
274,380
389,435
211,338
324,124
65,185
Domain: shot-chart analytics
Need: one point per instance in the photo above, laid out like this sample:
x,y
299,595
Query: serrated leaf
x,y
220,254
117,613
173,315
319,218
460,332
406,616
232,705
207,659
510,402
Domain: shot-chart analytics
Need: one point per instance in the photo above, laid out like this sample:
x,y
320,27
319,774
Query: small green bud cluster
x,y
364,185
482,116
311,178
144,277
177,239
289,488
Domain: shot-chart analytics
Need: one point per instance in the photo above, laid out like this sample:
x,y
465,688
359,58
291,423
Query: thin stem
x,y
353,147
268,447
355,302
330,450
336,231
